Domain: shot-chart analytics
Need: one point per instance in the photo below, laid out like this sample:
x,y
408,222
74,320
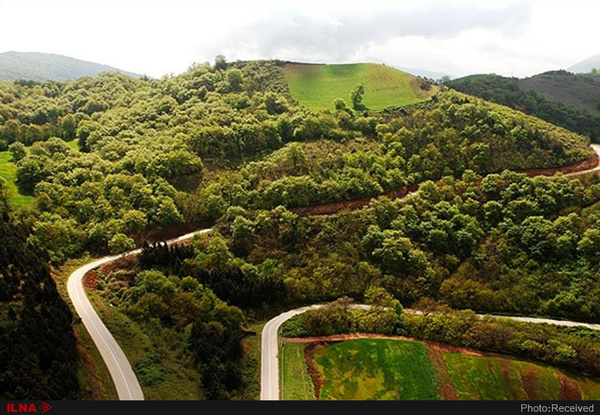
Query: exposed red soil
x,y
580,166
90,280
445,386
311,363
120,263
334,207
569,390
88,368
529,384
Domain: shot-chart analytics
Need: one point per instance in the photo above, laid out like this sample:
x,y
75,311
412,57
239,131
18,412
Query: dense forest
x,y
110,158
156,153
519,94
501,243
38,358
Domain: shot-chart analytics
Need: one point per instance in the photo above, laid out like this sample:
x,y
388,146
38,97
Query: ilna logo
x,y
27,407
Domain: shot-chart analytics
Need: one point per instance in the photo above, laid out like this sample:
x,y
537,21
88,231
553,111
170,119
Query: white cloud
x,y
458,37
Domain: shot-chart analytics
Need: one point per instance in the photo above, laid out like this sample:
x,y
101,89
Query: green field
x,y
296,383
499,378
376,369
8,171
390,369
317,86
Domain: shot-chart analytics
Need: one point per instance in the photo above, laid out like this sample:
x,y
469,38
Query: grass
x,y
317,86
250,390
391,369
500,378
376,369
164,372
8,171
295,380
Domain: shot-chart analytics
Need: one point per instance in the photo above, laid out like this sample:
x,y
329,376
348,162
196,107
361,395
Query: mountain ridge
x,y
38,66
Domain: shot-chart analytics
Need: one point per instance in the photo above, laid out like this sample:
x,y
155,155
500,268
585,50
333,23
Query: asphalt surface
x,y
126,383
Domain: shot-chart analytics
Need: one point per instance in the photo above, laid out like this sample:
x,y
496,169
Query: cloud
x,y
339,35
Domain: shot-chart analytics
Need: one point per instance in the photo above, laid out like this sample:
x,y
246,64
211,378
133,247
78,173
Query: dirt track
x,y
334,207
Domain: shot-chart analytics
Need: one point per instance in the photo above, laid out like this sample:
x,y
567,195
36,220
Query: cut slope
x,y
36,66
317,86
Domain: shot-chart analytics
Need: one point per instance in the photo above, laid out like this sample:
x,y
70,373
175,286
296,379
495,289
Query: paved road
x,y
126,383
269,370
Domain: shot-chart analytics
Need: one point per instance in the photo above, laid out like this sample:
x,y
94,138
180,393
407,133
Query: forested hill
x,y
559,97
38,358
34,66
145,154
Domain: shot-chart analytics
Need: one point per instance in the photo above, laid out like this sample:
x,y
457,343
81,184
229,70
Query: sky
x,y
458,37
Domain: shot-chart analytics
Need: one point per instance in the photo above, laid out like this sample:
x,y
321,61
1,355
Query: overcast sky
x,y
457,37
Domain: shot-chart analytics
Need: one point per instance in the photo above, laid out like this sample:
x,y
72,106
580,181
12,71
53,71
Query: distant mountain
x,y
424,73
587,65
45,66
560,97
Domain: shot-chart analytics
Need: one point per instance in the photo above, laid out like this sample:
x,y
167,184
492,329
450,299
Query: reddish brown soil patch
x,y
569,390
119,263
581,166
342,337
311,363
334,207
445,387
88,368
90,280
529,384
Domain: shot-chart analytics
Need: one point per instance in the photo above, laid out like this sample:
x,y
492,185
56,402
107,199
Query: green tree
x,y
356,96
121,243
17,151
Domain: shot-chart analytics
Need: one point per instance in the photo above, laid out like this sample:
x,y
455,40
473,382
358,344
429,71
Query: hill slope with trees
x,y
559,97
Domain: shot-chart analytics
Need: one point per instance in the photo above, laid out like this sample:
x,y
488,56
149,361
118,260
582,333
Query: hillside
x,y
585,66
579,92
559,97
36,66
317,86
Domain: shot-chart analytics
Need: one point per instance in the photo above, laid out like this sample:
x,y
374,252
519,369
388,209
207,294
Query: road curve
x,y
269,365
126,383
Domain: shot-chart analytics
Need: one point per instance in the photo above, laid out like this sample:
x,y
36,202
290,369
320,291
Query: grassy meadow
x,y
317,86
385,369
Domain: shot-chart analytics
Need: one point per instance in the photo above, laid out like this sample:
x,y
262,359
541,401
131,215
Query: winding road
x,y
126,383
